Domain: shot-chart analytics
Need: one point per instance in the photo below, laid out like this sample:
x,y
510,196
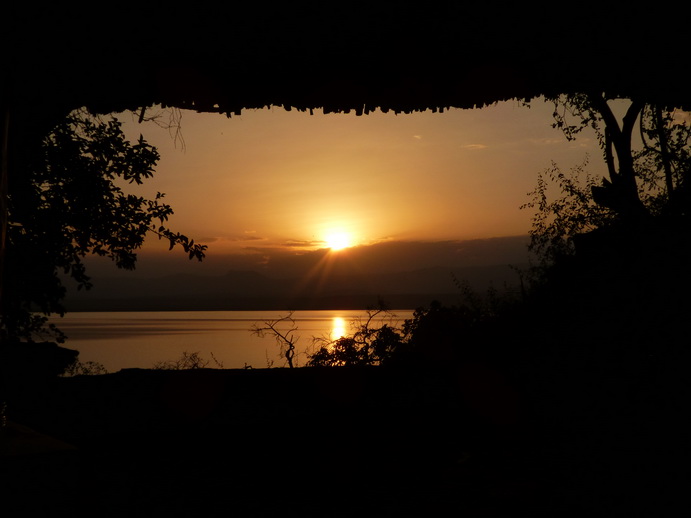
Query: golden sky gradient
x,y
276,178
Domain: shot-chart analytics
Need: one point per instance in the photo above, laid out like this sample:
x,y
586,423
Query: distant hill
x,y
248,290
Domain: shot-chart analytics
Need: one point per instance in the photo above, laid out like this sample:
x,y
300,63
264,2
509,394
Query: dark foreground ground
x,y
341,443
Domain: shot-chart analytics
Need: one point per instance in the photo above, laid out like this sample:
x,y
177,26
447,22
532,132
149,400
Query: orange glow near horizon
x,y
271,176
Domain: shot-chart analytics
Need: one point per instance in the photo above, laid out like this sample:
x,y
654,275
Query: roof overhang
x,y
309,57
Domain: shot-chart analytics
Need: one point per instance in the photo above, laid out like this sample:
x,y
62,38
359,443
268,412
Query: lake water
x,y
120,340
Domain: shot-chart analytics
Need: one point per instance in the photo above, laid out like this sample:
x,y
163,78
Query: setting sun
x,y
338,240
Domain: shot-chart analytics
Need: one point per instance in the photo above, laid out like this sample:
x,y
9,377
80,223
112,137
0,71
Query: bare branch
x,y
284,338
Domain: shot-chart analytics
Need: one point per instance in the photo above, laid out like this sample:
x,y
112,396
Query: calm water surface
x,y
122,340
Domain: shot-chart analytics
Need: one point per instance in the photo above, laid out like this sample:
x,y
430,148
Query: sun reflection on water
x,y
338,328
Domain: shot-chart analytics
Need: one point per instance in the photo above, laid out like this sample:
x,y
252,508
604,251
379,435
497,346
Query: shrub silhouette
x,y
187,361
89,368
368,345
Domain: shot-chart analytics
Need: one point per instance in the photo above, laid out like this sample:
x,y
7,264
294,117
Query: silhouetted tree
x,y
283,330
66,202
645,193
643,180
615,253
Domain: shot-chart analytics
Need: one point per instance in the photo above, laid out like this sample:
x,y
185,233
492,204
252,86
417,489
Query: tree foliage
x,y
66,202
572,212
648,177
648,158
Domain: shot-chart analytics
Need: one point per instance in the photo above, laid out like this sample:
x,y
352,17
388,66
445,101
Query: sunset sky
x,y
277,180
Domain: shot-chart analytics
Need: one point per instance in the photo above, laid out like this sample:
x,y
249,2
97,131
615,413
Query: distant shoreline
x,y
150,304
